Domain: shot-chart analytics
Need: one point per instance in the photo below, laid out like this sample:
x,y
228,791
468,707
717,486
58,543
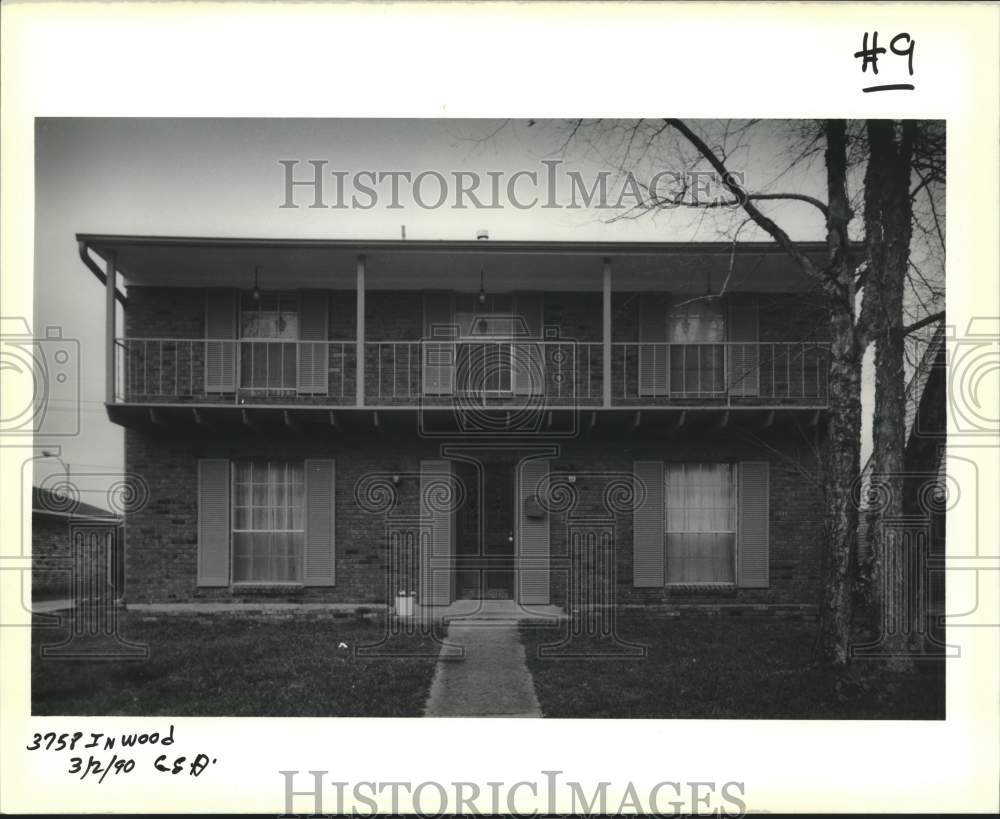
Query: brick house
x,y
548,422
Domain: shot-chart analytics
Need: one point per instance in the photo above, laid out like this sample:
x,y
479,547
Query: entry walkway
x,y
488,679
481,671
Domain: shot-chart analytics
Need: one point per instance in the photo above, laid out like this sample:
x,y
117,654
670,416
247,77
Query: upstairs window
x,y
269,332
696,332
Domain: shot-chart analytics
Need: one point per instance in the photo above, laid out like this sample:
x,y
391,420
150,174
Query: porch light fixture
x,y
256,283
482,288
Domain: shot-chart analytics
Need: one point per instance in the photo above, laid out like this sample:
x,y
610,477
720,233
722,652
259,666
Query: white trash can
x,y
404,604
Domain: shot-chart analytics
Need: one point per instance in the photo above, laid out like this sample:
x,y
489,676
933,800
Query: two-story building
x,y
338,421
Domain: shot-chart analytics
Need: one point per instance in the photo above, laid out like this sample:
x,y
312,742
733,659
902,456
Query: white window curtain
x,y
700,523
268,522
696,333
269,332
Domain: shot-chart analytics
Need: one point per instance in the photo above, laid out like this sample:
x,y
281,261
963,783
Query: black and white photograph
x,y
441,476
387,424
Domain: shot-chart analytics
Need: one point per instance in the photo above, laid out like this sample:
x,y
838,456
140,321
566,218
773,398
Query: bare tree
x,y
898,154
889,156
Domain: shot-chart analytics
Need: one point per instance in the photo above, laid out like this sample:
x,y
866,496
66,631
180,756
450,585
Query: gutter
x,y
595,248
87,517
84,250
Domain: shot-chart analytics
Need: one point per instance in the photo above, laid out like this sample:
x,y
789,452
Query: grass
x,y
724,667
228,666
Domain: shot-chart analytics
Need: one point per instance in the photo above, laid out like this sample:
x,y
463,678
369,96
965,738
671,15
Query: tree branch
x,y
741,196
678,201
912,328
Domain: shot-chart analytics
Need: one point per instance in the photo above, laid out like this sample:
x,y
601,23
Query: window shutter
x,y
744,356
436,534
532,537
318,559
529,364
314,359
753,535
439,356
213,522
220,344
648,526
654,355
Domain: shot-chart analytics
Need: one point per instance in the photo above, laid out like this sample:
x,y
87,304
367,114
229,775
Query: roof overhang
x,y
54,514
421,264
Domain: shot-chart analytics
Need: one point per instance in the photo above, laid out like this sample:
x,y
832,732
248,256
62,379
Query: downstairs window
x,y
268,521
700,523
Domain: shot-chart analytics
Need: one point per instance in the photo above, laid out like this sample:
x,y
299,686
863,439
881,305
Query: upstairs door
x,y
268,353
485,355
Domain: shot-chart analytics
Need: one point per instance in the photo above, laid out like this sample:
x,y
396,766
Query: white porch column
x,y
606,337
110,290
360,355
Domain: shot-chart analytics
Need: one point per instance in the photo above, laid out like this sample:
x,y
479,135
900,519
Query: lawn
x,y
230,666
723,667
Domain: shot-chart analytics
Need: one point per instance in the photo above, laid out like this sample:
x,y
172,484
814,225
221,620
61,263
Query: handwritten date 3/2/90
x,y
94,766
97,765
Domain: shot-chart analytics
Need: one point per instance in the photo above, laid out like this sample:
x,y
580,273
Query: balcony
x,y
451,374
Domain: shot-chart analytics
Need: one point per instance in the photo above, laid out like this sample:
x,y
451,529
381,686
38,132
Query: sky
x,y
224,177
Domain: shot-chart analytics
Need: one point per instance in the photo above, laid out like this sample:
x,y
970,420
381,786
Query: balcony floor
x,y
440,421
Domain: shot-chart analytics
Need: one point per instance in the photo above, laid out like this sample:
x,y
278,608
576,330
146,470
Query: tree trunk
x,y
843,453
887,229
843,450
843,457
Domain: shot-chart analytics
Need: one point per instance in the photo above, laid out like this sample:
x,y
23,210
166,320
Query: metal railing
x,y
167,370
737,373
496,372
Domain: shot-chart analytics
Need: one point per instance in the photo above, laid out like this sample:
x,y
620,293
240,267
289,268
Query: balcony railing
x,y
497,372
168,370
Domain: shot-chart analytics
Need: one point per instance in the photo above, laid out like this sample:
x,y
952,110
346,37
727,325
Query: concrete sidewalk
x,y
491,680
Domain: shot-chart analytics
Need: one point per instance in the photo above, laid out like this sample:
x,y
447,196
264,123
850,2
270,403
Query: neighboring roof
x,y
918,381
46,503
392,263
914,392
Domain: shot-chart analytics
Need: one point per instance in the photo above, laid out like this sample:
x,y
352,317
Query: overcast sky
x,y
218,177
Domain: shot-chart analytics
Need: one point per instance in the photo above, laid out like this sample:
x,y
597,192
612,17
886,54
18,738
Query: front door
x,y
485,532
502,531
499,546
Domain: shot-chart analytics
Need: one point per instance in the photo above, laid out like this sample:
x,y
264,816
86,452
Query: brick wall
x,y
795,503
573,368
397,315
162,538
173,366
53,559
49,556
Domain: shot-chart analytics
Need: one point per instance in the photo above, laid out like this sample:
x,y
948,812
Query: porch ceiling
x,y
424,265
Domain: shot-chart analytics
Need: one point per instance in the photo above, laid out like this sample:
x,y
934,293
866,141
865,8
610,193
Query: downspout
x,y
101,276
